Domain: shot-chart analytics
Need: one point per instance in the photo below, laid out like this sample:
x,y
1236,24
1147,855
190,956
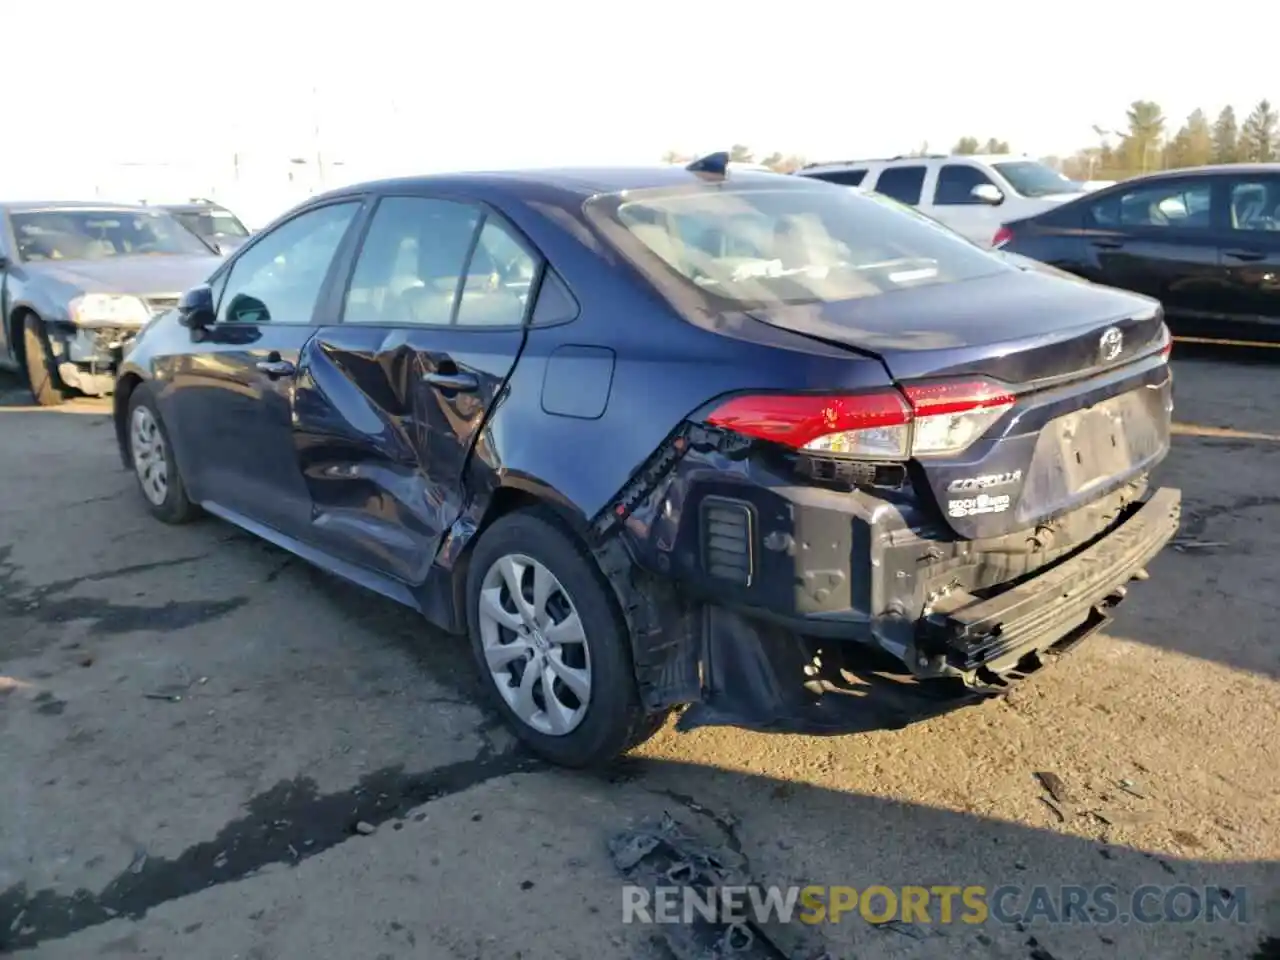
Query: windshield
x,y
1032,179
101,235
765,246
212,224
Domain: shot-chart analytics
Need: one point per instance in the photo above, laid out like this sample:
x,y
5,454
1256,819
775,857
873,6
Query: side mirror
x,y
987,193
195,308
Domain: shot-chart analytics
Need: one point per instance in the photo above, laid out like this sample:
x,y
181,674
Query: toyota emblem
x,y
1111,344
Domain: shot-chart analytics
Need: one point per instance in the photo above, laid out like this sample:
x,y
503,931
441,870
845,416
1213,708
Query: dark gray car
x,y
212,223
77,283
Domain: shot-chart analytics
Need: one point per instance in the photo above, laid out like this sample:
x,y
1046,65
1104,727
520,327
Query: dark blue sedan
x,y
671,437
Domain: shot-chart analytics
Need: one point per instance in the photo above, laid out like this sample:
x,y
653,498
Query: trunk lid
x,y
1090,391
1019,327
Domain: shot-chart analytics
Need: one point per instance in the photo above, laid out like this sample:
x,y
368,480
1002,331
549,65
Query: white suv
x,y
972,195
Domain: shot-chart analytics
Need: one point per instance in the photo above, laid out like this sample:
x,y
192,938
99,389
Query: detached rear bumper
x,y
1054,608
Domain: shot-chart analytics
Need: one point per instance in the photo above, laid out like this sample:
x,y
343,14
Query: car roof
x,y
582,182
941,157
196,207
1217,169
40,206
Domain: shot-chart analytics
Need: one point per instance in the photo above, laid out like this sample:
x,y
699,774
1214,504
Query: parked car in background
x,y
77,282
1203,241
973,195
214,224
668,436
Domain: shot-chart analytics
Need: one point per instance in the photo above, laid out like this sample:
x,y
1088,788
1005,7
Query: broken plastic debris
x,y
1057,810
630,849
1055,785
1133,789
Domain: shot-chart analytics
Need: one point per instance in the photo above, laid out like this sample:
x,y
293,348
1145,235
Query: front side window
x,y
85,234
1034,179
279,277
1255,204
1178,205
904,184
424,263
956,182
752,246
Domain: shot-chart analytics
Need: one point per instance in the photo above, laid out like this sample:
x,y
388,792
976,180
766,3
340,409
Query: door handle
x,y
1108,244
464,382
1244,254
276,368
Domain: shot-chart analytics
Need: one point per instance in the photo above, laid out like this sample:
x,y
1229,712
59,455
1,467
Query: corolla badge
x,y
1111,344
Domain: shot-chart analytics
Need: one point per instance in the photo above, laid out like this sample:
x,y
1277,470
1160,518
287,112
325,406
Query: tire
x,y
570,731
46,388
150,450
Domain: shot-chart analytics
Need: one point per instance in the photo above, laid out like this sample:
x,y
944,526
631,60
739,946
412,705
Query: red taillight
x,y
932,419
1167,349
1003,236
801,421
938,398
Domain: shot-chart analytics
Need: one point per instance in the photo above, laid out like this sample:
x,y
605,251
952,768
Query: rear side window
x,y
412,258
1255,204
902,183
956,182
1179,205
499,279
844,178
438,262
745,246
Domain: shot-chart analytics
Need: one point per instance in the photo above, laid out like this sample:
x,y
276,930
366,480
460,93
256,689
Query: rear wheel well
x,y
507,500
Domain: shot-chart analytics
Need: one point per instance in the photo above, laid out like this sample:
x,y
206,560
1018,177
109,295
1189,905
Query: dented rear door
x,y
390,402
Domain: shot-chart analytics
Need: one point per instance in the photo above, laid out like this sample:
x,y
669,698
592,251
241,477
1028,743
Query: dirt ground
x,y
192,724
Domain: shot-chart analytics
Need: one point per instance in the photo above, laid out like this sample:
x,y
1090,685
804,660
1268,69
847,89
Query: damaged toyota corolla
x,y
670,437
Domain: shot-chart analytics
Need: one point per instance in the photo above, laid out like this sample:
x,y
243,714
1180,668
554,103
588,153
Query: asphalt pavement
x,y
210,750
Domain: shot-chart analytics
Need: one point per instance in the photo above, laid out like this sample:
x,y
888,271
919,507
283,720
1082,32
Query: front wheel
x,y
151,453
551,648
46,388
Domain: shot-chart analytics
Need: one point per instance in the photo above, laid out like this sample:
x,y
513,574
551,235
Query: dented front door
x,y
390,402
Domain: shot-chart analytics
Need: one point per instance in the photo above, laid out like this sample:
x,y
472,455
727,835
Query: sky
x,y
139,94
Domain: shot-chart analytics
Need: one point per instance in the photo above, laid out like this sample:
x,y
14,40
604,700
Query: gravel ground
x,y
210,750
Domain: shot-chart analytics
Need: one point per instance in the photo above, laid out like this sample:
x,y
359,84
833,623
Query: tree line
x,y
1146,143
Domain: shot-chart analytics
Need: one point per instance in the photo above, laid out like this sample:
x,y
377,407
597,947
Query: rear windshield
x,y
101,235
212,224
803,243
